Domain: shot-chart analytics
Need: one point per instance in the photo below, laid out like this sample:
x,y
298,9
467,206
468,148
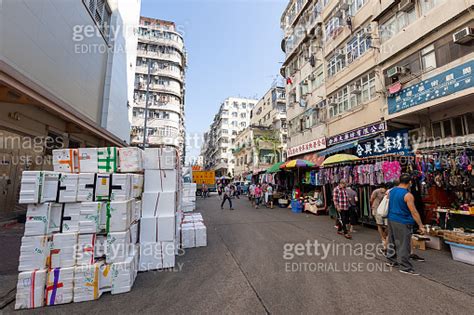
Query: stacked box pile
x,y
81,228
189,197
159,211
193,231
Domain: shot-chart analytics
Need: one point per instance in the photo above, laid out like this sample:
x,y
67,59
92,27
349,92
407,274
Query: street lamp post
x,y
145,131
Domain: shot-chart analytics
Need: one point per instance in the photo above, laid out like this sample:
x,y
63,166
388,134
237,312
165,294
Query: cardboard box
x,y
85,249
66,160
59,286
49,187
161,181
107,159
71,217
86,189
30,185
68,185
121,187
435,242
87,282
156,203
63,250
130,160
102,187
37,219
137,185
90,216
161,158
418,244
30,289
88,160
34,253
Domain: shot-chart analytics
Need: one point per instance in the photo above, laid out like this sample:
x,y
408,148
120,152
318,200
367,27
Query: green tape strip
x,y
109,215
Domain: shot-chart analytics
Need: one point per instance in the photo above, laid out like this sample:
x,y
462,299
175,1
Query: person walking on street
x,y
270,195
353,212
375,199
258,195
402,216
252,194
237,191
204,190
226,196
341,202
219,190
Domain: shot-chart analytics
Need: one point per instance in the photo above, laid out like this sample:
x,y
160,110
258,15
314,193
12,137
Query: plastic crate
x,y
462,253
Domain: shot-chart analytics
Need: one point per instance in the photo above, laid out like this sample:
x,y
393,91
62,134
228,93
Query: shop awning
x,y
338,148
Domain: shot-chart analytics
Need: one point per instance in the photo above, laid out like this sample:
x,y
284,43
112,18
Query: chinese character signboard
x,y
453,80
313,145
393,142
369,130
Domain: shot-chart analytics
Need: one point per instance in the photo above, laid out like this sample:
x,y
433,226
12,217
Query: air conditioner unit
x,y
464,36
338,12
340,52
331,101
396,71
406,5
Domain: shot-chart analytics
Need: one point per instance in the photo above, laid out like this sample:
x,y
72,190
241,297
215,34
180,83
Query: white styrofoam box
x,y
160,158
137,185
59,286
49,187
134,233
86,187
158,203
105,278
121,187
148,226
85,249
166,228
123,275
192,217
119,215
68,184
118,246
461,252
161,180
188,235
87,282
55,218
37,219
63,250
130,160
156,256
34,253
30,187
71,216
137,210
100,246
201,234
102,187
30,289
90,216
88,160
107,159
66,160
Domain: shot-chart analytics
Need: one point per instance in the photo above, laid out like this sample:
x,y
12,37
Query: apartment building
x,y
263,142
64,73
233,116
160,74
350,65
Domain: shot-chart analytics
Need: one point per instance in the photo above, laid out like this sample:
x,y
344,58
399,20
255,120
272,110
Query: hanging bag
x,y
382,210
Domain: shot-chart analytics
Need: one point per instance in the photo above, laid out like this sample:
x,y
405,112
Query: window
x,y
333,26
236,105
368,87
428,58
457,126
357,46
317,78
356,5
234,114
396,23
243,115
427,5
101,13
244,105
235,123
336,63
225,131
243,124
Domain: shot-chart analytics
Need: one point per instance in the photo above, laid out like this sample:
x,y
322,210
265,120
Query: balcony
x,y
177,75
173,107
176,58
165,89
145,38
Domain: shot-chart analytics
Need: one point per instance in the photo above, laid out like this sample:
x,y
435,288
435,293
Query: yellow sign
x,y
208,177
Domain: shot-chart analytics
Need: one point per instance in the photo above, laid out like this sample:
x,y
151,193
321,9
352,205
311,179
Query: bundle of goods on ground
x,y
193,231
189,197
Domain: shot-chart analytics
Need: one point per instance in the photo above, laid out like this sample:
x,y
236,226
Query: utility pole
x,y
145,131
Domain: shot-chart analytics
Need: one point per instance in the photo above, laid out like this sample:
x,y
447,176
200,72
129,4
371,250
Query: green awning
x,y
275,168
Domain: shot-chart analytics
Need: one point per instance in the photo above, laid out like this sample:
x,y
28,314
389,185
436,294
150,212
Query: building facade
x,y
351,69
233,116
161,56
63,82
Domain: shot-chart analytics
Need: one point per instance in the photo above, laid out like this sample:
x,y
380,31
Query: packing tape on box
x,y
53,287
110,163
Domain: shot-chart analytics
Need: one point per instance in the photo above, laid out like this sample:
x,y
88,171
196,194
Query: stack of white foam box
x,y
158,221
81,230
193,231
188,197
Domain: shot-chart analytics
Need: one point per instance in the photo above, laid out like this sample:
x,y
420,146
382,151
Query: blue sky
x,y
233,50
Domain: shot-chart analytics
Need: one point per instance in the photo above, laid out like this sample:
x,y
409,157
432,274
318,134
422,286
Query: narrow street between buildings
x,y
246,268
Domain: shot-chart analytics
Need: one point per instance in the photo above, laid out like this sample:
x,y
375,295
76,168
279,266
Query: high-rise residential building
x,y
233,117
263,142
65,68
161,57
364,68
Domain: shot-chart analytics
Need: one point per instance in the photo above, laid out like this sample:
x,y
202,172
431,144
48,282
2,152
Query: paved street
x,y
243,271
